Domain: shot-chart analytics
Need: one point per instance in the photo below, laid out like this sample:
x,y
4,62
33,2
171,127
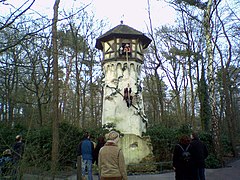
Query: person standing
x,y
85,149
182,165
199,154
17,154
6,163
111,160
100,143
18,148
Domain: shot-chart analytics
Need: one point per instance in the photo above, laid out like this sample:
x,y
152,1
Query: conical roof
x,y
122,31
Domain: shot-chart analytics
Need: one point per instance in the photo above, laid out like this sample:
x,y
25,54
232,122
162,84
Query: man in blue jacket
x,y
85,149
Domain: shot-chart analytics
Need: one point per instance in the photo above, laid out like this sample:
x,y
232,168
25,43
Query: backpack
x,y
185,154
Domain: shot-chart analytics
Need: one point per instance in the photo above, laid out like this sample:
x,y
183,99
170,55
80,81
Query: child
x,y
6,163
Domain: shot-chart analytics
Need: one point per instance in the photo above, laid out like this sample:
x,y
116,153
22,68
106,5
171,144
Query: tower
x,y
122,49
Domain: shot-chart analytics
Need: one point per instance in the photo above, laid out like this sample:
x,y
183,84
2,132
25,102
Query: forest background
x,y
51,89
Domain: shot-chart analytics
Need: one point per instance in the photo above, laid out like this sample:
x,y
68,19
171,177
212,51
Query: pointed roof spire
x,y
122,18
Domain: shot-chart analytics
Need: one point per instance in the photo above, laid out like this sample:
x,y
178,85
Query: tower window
x,y
125,49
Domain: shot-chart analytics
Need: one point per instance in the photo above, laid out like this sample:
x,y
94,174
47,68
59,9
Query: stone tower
x,y
122,49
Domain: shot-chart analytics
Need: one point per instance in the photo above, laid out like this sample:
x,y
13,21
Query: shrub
x,y
162,139
212,161
8,134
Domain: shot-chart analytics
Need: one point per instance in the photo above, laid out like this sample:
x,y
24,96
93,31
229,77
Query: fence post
x,y
79,168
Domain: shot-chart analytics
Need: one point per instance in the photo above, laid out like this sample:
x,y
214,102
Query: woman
x,y
100,144
182,165
111,160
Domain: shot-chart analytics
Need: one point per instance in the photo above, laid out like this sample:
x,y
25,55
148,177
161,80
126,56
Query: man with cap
x,y
111,160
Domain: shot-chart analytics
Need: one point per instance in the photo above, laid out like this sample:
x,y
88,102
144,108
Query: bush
x,y
38,148
212,161
38,143
226,145
8,134
162,139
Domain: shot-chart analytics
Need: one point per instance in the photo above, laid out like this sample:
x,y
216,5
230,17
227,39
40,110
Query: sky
x,y
132,12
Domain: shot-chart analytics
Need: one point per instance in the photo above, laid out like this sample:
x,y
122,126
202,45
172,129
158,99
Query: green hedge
x,y
38,143
164,139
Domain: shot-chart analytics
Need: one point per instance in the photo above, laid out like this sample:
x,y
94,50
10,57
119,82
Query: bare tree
x,y
77,45
226,59
8,21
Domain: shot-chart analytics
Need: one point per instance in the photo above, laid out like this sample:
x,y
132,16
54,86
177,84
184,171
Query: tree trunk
x,y
214,118
92,119
55,112
39,105
77,90
160,114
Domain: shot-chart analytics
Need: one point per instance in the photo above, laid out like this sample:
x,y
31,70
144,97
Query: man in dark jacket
x,y
18,150
199,153
85,149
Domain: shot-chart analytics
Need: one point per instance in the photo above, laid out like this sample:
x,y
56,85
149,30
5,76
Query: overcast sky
x,y
132,12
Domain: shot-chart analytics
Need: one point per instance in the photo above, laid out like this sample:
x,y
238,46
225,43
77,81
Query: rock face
x,y
123,49
137,152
